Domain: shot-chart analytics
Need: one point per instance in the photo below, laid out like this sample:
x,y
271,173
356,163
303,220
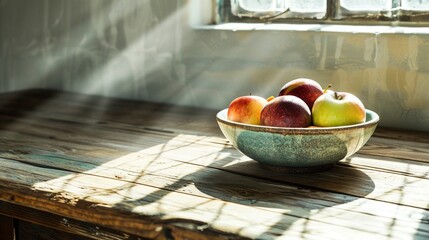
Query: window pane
x,y
262,5
308,6
315,9
366,5
366,9
257,8
415,5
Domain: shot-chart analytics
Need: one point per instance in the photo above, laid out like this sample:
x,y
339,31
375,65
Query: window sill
x,y
316,28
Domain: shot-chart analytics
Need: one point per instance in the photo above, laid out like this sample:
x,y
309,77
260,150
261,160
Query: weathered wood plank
x,y
388,164
100,109
50,226
70,203
397,149
116,196
404,135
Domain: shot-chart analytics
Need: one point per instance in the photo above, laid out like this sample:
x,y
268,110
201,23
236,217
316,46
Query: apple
x,y
246,109
338,109
286,111
306,89
270,98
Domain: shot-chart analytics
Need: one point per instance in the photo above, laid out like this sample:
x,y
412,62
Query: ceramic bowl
x,y
297,149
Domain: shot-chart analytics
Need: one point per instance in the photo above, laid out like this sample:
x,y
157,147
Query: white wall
x,y
146,49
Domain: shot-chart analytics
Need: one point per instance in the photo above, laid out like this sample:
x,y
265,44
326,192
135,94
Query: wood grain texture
x,y
160,171
46,225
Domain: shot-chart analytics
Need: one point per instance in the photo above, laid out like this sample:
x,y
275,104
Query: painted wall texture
x,y
147,50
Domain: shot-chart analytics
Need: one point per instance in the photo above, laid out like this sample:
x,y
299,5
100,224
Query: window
x,y
391,12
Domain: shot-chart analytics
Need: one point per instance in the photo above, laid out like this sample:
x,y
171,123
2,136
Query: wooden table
x,y
84,167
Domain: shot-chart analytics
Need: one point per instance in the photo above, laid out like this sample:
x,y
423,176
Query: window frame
x,y
396,17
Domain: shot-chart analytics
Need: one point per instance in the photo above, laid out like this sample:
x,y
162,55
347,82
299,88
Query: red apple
x,y
246,109
306,89
286,111
338,109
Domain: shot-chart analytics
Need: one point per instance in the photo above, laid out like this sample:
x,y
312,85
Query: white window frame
x,y
334,15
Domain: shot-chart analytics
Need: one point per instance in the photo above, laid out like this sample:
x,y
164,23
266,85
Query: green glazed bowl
x,y
297,149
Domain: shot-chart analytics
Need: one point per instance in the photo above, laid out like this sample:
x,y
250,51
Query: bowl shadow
x,y
266,188
296,196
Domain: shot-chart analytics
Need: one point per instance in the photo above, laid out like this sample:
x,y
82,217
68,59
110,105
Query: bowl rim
x,y
221,118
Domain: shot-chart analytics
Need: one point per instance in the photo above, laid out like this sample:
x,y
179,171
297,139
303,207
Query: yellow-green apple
x,y
337,109
286,111
246,109
306,89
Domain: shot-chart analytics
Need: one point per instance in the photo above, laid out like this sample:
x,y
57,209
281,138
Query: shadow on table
x,y
297,196
424,224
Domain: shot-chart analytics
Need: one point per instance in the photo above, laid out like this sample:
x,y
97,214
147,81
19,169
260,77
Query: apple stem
x,y
326,89
338,97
